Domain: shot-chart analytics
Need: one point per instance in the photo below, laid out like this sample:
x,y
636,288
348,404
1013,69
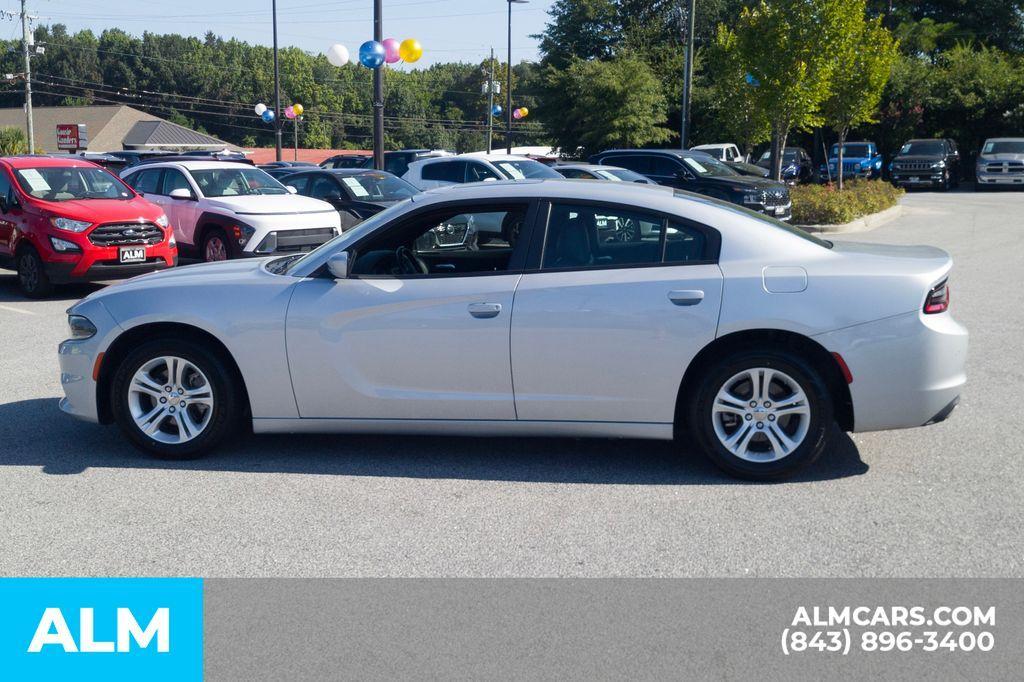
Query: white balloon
x,y
337,55
260,108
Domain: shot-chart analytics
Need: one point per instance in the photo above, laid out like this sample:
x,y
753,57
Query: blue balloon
x,y
751,80
268,116
372,54
496,111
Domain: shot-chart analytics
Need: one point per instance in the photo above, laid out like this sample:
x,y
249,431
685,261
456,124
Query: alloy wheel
x,y
215,250
761,415
28,272
170,400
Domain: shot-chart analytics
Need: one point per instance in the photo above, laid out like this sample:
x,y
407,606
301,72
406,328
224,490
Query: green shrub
x,y
826,205
13,141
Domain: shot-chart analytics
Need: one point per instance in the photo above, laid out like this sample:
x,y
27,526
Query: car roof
x,y
1004,139
717,145
190,165
490,157
42,161
551,188
678,153
586,166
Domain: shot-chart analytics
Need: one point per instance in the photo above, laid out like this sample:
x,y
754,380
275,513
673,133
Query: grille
x,y
302,240
1005,167
776,197
914,165
126,234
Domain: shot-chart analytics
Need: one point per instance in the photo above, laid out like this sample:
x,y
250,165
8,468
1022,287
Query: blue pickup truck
x,y
860,160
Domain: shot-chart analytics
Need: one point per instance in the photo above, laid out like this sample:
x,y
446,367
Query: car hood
x,y
919,158
850,159
104,210
746,182
270,204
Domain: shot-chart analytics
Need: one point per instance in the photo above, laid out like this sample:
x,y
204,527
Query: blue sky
x,y
450,30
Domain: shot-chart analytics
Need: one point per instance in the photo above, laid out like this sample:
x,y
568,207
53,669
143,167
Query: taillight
x,y
938,299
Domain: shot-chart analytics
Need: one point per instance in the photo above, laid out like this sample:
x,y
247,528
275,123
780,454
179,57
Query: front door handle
x,y
484,310
686,296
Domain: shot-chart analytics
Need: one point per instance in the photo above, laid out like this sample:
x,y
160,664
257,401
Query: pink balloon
x,y
289,112
517,114
391,50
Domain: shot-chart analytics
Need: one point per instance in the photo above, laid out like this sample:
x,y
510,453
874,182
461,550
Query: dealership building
x,y
109,128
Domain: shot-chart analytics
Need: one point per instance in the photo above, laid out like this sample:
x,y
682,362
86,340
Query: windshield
x,y
378,187
620,174
69,183
525,168
232,182
925,147
1004,147
855,150
708,167
787,156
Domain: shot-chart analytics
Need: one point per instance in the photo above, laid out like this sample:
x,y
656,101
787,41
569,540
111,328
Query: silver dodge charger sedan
x,y
732,332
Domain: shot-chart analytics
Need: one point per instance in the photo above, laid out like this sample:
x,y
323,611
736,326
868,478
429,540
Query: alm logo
x,y
53,630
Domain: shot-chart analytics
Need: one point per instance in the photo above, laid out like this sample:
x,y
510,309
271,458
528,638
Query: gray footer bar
x,y
612,629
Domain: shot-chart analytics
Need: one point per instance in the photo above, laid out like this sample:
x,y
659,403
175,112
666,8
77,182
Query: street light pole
x,y
378,90
684,132
490,102
508,80
277,88
26,34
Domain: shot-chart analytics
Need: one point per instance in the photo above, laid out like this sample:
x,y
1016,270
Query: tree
x,y
12,141
784,47
593,105
865,58
731,99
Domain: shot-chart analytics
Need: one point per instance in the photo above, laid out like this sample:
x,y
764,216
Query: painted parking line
x,y
16,310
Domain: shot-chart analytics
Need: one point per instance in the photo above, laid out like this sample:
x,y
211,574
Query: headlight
x,y
939,164
242,233
81,327
70,225
162,221
64,246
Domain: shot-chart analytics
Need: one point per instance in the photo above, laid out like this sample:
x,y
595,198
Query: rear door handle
x,y
686,296
484,310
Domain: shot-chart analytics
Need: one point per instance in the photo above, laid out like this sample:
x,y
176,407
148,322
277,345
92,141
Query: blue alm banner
x,y
101,628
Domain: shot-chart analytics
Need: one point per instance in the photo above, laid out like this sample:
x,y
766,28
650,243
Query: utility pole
x,y
25,37
490,101
684,132
508,85
277,89
378,90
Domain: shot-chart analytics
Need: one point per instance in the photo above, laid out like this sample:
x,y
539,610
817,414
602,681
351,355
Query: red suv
x,y
65,220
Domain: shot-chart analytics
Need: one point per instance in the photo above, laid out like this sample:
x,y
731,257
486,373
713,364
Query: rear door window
x,y
445,171
147,181
638,163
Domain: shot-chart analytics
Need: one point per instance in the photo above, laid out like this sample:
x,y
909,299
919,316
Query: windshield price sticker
x,y
357,189
35,180
885,629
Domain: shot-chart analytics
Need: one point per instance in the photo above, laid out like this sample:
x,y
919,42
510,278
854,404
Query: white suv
x,y
456,170
222,209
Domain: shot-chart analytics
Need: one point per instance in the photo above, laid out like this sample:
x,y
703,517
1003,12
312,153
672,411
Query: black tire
x,y
227,401
946,182
32,277
700,424
212,237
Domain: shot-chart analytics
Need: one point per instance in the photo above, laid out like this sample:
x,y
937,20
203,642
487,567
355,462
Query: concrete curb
x,y
862,224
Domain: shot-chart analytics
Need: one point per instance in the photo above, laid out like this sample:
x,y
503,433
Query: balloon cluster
x,y
268,116
373,55
521,112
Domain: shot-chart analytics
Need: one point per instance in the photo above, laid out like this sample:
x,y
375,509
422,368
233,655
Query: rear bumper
x,y
907,370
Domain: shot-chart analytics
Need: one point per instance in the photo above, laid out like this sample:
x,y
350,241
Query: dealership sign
x,y
72,136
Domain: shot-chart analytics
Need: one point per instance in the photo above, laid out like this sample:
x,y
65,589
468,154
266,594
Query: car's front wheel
x,y
32,277
761,415
215,246
175,399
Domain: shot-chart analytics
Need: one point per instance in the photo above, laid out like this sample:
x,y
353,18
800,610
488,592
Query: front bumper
x,y
917,179
907,370
783,212
78,362
99,270
1000,178
289,241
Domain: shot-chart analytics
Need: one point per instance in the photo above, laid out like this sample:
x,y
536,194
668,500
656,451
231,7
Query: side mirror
x,y
181,193
337,265
291,189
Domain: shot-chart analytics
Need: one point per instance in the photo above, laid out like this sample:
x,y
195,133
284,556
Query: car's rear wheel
x,y
32,277
761,415
215,246
175,399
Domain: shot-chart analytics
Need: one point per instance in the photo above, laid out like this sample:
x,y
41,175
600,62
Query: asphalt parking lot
x,y
947,500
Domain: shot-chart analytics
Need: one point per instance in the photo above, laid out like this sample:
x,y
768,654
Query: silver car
x,y
737,334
